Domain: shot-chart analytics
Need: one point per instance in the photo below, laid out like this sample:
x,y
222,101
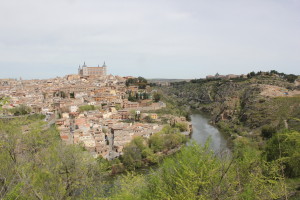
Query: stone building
x,y
84,70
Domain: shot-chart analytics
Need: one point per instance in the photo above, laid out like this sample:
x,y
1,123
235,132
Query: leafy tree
x,y
267,131
132,157
148,119
3,101
197,173
284,147
35,164
156,142
166,139
140,82
290,77
273,72
156,97
72,95
251,74
20,110
182,126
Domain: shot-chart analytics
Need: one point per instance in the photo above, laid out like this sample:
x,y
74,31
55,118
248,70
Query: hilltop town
x,y
99,111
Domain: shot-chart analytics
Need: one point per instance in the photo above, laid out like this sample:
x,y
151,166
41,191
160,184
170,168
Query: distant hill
x,y
245,104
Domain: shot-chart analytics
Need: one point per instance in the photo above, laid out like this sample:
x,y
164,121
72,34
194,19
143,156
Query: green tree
x,y
156,142
156,97
20,110
3,101
290,77
267,131
132,157
284,147
35,164
197,173
182,126
148,119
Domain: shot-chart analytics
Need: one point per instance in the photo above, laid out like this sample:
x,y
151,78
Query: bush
x,y
20,110
156,142
284,147
268,131
156,97
132,157
167,138
148,119
181,126
290,78
87,108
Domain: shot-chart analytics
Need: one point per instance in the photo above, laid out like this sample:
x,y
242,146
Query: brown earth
x,y
275,91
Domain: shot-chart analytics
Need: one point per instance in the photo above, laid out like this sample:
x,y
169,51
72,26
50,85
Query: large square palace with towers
x,y
84,70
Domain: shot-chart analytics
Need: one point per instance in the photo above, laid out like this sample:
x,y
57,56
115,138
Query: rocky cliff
x,y
243,105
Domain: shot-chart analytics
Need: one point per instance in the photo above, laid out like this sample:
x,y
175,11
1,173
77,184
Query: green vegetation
x,y
138,96
173,107
238,102
181,126
289,77
284,147
140,82
135,152
87,108
35,164
267,131
156,97
61,94
168,138
20,110
140,152
196,173
148,119
3,101
269,126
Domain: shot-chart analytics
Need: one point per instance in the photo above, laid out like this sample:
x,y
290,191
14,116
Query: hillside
x,y
245,105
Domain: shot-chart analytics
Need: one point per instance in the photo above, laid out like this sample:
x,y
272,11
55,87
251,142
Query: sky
x,y
154,39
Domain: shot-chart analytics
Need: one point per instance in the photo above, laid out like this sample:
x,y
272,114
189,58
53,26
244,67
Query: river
x,y
202,130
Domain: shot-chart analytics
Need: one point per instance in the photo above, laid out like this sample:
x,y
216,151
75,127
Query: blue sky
x,y
154,39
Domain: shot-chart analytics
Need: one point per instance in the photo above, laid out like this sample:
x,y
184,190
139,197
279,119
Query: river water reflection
x,y
202,130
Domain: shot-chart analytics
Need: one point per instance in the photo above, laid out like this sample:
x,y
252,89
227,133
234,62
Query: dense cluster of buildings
x,y
102,129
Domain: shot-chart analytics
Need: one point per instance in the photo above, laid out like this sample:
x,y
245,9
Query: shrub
x,y
21,110
267,131
181,126
87,108
284,147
